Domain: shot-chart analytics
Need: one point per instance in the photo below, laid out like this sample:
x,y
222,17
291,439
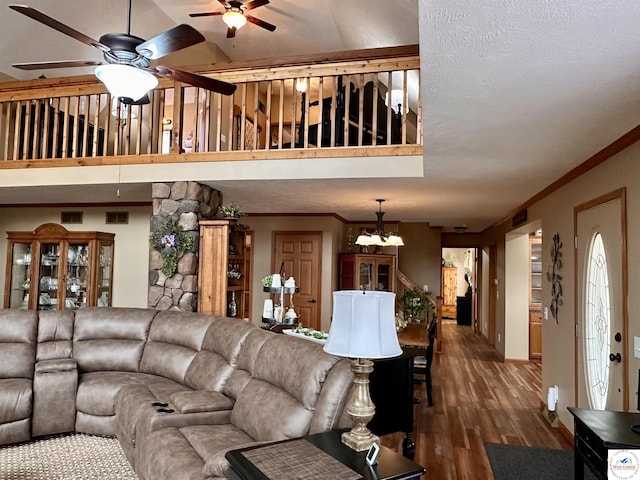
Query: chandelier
x,y
379,238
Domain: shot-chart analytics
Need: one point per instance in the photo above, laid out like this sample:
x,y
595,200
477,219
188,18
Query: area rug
x,y
512,462
66,457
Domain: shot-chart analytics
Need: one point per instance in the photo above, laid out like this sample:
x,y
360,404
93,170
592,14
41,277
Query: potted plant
x,y
417,303
233,211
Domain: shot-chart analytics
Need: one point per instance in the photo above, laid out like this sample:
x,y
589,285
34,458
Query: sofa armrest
x,y
197,401
56,365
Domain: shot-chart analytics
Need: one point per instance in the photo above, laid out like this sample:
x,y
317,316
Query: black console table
x,y
323,449
598,431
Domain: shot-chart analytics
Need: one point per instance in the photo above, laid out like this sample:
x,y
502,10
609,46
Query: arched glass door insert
x,y
597,324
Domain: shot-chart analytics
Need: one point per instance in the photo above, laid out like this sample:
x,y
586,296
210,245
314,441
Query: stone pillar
x,y
188,202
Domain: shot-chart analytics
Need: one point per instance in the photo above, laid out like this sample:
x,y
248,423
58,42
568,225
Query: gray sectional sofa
x,y
177,389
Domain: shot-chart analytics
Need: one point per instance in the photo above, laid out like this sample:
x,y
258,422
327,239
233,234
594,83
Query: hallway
x,y
477,399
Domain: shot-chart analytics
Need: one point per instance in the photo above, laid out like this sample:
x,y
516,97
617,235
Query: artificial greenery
x,y
171,241
233,210
416,302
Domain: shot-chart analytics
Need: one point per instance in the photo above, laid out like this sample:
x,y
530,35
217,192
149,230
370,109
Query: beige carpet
x,y
65,457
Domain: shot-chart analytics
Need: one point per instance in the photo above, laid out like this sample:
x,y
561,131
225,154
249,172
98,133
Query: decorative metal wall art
x,y
554,277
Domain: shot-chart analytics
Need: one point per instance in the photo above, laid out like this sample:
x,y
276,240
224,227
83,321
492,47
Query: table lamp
x,y
362,327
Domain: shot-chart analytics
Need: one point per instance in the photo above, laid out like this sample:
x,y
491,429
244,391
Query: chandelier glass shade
x,y
379,238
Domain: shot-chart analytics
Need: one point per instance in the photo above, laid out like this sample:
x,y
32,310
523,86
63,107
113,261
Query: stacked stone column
x,y
188,202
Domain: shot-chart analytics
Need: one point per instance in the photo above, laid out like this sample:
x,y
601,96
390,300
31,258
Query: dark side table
x,y
325,449
598,431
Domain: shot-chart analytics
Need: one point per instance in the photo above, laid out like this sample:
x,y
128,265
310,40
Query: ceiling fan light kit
x,y
235,16
234,19
125,82
127,74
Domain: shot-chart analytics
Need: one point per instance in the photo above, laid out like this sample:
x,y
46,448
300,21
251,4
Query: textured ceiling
x,y
515,92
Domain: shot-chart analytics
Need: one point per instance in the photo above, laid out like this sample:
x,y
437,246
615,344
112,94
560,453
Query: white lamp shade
x,y
363,240
395,241
125,81
363,325
234,19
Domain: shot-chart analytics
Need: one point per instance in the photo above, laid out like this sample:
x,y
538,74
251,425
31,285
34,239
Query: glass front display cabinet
x,y
52,268
367,272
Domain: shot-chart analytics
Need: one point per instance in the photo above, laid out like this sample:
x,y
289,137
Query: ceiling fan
x,y
128,73
235,17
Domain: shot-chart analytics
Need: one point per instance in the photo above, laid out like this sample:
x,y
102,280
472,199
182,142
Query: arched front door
x,y
601,317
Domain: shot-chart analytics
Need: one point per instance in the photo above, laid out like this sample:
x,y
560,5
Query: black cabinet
x,y
463,310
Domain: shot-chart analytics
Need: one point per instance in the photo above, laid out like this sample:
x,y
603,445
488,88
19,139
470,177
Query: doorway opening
x,y
459,285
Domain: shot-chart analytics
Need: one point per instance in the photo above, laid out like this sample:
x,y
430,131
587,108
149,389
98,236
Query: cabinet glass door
x,y
366,276
20,276
383,277
77,275
49,276
103,280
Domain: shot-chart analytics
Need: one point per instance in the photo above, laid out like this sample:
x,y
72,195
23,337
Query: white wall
x,y
516,335
556,215
131,248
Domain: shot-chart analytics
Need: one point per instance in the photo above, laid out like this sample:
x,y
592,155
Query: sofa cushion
x,y
295,365
56,365
267,412
16,399
97,390
194,401
213,365
246,361
55,334
110,338
17,343
174,340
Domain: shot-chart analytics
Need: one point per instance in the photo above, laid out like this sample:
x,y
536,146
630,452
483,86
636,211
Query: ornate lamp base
x,y
360,408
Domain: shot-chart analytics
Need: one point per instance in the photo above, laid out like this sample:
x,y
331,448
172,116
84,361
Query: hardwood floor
x,y
477,399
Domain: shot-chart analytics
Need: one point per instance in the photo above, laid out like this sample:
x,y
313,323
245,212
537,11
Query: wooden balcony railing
x,y
328,105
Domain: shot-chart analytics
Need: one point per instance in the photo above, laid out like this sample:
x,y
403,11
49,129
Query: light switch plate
x,y
636,347
545,313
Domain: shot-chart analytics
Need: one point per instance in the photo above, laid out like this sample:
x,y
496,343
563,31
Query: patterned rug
x,y
66,457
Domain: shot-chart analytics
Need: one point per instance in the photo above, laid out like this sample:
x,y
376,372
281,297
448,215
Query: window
x,y
597,324
117,217
71,217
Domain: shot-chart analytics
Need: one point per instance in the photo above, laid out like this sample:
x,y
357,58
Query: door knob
x,y
313,300
615,357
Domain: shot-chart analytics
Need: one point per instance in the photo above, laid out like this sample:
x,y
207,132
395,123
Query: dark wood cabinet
x,y
367,272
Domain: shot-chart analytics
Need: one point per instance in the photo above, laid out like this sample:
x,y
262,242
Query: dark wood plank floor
x,y
477,399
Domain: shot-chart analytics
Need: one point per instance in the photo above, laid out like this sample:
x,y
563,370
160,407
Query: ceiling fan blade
x,y
59,64
196,80
261,23
172,40
231,32
206,14
224,4
254,4
56,25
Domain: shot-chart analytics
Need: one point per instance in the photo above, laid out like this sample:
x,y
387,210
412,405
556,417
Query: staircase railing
x,y
361,103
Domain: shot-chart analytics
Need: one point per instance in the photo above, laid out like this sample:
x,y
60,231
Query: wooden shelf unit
x,y
225,268
535,297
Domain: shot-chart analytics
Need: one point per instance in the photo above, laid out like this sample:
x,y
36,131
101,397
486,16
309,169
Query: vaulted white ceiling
x,y
515,92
